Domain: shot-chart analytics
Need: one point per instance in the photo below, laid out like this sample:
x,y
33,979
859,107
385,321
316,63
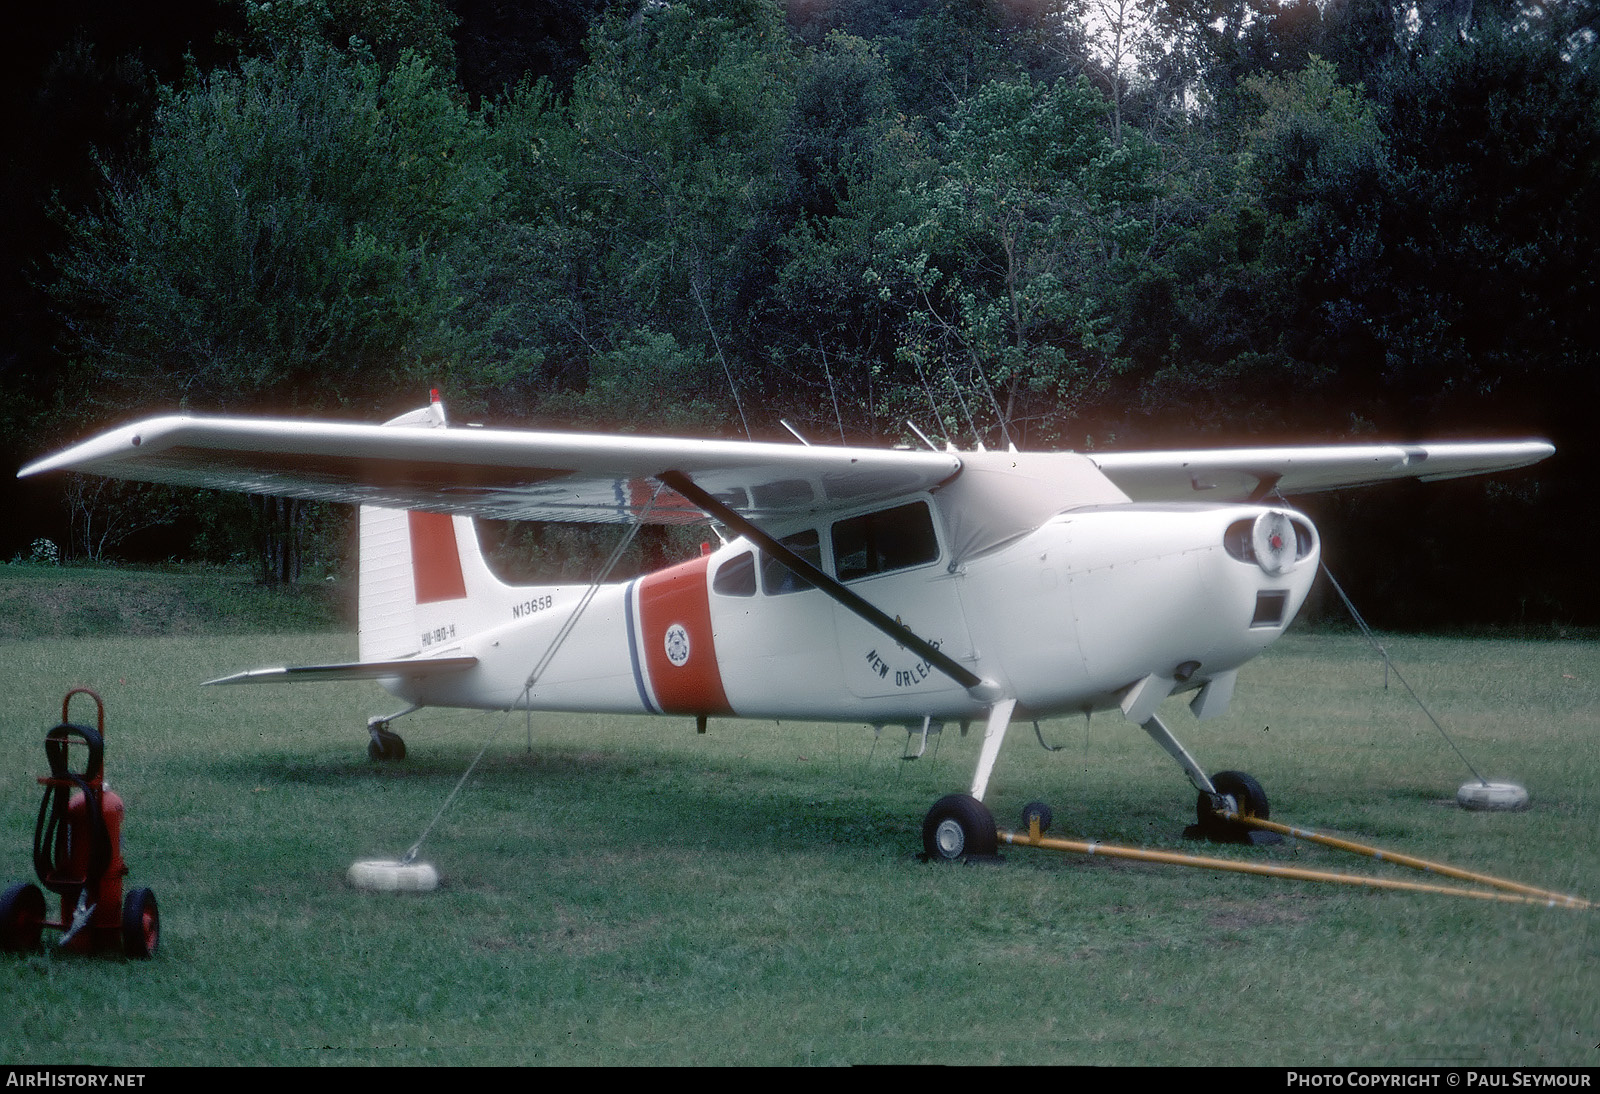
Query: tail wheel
x,y
1039,810
21,918
958,826
141,924
386,745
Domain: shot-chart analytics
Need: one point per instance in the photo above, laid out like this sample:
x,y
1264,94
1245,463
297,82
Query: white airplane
x,y
891,587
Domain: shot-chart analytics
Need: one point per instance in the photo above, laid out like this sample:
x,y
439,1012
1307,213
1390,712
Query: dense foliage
x,y
1084,223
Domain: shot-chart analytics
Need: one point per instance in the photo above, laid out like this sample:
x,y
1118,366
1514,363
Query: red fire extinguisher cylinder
x,y
75,851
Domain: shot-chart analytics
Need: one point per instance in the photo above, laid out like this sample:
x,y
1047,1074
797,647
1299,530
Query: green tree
x,y
389,28
1017,256
1263,287
855,170
1497,151
637,209
285,244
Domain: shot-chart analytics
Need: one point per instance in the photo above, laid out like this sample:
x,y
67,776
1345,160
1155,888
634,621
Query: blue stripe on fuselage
x,y
633,649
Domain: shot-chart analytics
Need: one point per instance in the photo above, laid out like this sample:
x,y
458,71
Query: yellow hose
x,y
1034,839
1408,861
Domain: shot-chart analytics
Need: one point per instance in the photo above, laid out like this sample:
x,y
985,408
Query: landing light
x,y
1273,540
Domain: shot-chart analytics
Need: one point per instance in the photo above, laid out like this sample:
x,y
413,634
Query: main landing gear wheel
x,y
21,918
1249,800
958,826
385,745
141,924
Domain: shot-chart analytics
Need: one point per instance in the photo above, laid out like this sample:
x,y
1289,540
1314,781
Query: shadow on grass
x,y
663,804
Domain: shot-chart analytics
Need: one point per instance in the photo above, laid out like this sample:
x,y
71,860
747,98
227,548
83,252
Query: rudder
x,y
422,579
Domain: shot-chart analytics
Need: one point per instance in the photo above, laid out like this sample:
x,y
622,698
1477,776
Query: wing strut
x,y
980,689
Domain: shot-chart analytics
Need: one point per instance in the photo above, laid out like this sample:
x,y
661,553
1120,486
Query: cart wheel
x,y
21,918
1040,810
141,924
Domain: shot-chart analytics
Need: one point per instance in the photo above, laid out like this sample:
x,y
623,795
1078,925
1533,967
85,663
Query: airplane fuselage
x,y
1065,618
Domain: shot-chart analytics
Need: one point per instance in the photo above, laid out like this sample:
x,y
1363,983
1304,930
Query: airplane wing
x,y
586,477
499,473
1246,474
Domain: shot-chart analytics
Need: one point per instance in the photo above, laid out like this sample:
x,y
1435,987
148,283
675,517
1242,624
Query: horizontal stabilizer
x,y
352,670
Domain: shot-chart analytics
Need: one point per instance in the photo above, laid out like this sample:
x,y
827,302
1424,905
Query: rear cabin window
x,y
737,576
881,542
777,578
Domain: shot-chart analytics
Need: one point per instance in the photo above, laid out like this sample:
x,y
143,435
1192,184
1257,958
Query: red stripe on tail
x,y
435,562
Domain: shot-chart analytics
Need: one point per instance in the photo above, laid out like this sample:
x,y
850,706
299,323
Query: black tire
x,y
141,924
1244,790
21,918
385,746
1040,810
958,826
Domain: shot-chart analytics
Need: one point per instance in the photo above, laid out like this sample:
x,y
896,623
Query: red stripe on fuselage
x,y
679,649
435,562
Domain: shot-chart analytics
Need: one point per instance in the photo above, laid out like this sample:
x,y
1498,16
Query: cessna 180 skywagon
x,y
884,586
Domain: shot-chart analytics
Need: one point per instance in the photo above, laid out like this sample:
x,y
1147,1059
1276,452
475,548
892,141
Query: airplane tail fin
x,y
423,581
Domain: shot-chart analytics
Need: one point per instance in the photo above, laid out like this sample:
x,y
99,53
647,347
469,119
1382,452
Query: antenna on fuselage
x,y
797,434
832,394
913,427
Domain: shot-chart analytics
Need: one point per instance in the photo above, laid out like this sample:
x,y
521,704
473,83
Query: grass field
x,y
81,602
629,892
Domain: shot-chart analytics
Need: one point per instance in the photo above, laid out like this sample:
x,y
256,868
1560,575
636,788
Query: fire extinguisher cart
x,y
77,854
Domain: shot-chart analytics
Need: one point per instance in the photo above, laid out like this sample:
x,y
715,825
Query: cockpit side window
x,y
881,542
777,578
737,576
